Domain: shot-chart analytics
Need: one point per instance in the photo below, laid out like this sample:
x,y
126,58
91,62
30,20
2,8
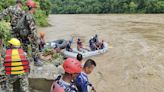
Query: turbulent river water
x,y
135,60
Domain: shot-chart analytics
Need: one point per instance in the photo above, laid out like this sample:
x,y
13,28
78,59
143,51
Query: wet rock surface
x,y
41,78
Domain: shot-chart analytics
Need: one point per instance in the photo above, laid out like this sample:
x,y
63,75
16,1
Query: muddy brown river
x,y
135,60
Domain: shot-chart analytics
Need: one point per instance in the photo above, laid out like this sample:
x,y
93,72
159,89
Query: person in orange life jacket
x,y
72,68
16,66
42,41
68,47
82,81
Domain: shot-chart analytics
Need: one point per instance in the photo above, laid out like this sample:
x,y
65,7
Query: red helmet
x,y
30,3
72,66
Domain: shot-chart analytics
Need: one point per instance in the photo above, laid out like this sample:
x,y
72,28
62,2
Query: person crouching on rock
x,y
65,83
16,66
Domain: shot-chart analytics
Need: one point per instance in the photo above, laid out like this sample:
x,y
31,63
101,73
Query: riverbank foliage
x,y
106,6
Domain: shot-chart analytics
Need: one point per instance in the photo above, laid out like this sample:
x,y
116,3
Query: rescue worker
x,y
82,81
79,57
101,45
28,34
15,13
68,46
97,42
16,66
92,45
80,46
42,41
2,74
72,68
95,39
1,51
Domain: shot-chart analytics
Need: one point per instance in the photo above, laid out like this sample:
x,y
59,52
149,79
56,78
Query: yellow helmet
x,y
14,42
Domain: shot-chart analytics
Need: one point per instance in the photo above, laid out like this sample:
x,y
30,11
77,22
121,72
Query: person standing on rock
x,y
28,34
82,81
16,66
42,41
15,13
72,68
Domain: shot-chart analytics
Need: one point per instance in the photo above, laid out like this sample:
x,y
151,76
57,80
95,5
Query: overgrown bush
x,y
41,18
5,31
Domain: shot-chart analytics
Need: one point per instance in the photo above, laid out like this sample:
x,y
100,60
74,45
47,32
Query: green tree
x,y
132,7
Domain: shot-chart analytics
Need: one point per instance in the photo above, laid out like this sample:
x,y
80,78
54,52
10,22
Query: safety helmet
x,y
42,34
30,3
71,66
15,42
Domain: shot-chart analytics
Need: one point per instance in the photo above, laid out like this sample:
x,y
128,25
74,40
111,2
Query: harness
x,y
69,88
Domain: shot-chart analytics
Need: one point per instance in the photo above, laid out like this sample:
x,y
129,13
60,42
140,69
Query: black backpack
x,y
21,27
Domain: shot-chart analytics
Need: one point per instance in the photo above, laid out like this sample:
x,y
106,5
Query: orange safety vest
x,y
16,62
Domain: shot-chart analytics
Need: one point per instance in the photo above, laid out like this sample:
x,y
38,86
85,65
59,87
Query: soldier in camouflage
x,y
15,13
28,35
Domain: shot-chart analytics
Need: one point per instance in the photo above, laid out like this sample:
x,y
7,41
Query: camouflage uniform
x,y
29,36
23,80
1,50
2,74
15,13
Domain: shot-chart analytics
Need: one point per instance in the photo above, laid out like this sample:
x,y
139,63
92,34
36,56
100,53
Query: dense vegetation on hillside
x,y
107,6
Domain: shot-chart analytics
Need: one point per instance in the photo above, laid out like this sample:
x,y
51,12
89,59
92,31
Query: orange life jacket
x,y
16,62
